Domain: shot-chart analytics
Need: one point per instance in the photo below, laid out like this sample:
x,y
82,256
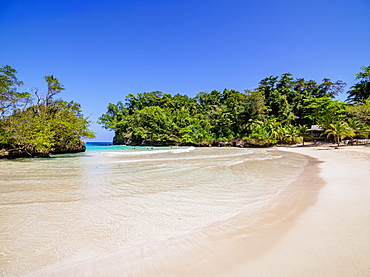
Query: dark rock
x,y
4,153
237,142
70,148
120,140
257,143
9,152
203,144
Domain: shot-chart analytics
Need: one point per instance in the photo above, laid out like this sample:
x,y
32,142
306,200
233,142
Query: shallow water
x,y
78,206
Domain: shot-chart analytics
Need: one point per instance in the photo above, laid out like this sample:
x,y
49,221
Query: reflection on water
x,y
77,206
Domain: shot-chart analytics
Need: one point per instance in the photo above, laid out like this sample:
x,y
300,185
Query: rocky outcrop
x,y
257,143
4,153
123,139
131,140
119,140
238,142
8,152
74,148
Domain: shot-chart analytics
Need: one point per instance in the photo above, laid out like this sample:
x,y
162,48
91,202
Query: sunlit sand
x,y
320,226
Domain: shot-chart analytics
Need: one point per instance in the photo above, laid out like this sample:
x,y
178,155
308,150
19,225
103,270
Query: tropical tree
x,y
285,97
339,130
48,126
302,132
360,92
272,112
361,111
255,104
291,134
10,98
360,129
257,132
117,119
323,111
267,130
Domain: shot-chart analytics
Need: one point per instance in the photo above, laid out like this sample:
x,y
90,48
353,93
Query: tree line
x,y
38,123
279,110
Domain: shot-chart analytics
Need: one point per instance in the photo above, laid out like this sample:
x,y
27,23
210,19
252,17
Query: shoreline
x,y
281,239
319,226
332,237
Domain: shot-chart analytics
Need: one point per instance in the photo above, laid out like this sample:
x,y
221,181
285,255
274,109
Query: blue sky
x,y
103,50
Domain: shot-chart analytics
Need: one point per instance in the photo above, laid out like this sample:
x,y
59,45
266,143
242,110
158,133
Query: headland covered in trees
x,y
280,110
37,123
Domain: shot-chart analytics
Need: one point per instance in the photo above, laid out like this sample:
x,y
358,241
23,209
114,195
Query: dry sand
x,y
320,226
331,237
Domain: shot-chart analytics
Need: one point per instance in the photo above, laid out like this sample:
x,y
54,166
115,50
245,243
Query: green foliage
x,y
265,130
43,129
360,92
361,111
46,126
54,87
279,110
360,128
30,133
273,131
10,98
323,110
284,98
256,108
339,130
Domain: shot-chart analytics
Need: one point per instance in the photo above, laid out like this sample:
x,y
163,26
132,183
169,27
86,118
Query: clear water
x,y
77,206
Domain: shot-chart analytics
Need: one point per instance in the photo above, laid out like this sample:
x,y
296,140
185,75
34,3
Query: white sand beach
x,y
331,237
320,226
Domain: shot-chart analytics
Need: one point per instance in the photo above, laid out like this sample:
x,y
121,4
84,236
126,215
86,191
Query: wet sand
x,y
319,226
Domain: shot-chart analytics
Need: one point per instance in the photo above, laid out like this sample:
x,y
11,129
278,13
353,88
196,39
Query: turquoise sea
x,y
74,207
108,146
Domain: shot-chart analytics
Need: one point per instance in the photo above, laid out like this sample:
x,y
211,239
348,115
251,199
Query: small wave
x,y
191,148
253,159
237,162
268,158
147,151
200,157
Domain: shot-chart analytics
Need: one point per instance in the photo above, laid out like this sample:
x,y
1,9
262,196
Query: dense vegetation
x,y
38,124
279,110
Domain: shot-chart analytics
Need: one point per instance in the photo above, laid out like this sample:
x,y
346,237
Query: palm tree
x,y
339,130
360,129
302,132
291,134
